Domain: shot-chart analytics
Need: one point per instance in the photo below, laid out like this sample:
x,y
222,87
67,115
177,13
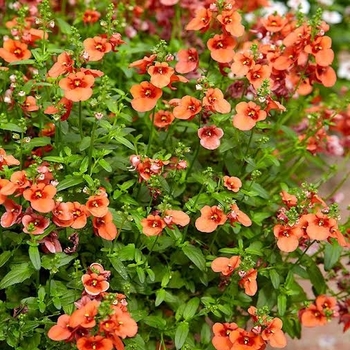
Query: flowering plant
x,y
159,173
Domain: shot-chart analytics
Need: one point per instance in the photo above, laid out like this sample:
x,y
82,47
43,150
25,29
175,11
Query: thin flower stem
x,y
151,132
304,252
153,245
80,120
92,140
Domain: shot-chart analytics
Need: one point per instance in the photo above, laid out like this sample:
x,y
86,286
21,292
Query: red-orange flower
x,y
231,20
12,213
215,102
160,74
62,108
104,226
274,335
187,60
274,23
152,225
176,217
91,16
236,215
35,224
221,48
96,47
40,197
80,214
321,50
125,324
187,108
248,114
6,159
210,136
162,119
61,331
232,183
288,237
94,343
201,21
94,283
97,205
63,65
248,282
14,51
210,219
77,86
145,96
244,340
62,214
143,64
242,63
221,339
85,316
225,265
29,104
257,74
312,317
319,225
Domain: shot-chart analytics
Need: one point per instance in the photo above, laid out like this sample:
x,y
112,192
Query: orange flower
x,y
77,86
274,23
94,343
273,333
18,182
160,74
221,48
176,217
153,225
248,114
242,63
97,205
221,339
248,282
14,51
225,265
62,330
143,64
29,104
145,96
94,283
187,108
288,237
85,316
326,304
96,48
231,20
125,324
210,219
321,50
215,102
62,108
244,340
35,224
289,199
232,183
7,159
40,197
187,60
236,215
201,21
319,225
325,75
80,214
162,119
210,136
12,213
257,74
313,317
91,16
62,214
63,65
104,226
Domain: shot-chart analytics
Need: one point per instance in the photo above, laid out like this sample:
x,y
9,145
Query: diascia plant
x,y
160,168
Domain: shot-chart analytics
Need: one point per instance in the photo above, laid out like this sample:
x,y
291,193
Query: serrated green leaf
x,y
181,334
332,254
18,274
195,255
191,308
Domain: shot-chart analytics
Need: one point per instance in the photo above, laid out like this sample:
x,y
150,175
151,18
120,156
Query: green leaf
x,y
63,25
256,248
332,254
205,333
191,308
105,165
316,278
275,278
11,127
125,142
17,63
69,182
141,274
195,255
181,334
18,274
155,322
37,142
160,295
34,256
85,143
4,257
119,267
281,304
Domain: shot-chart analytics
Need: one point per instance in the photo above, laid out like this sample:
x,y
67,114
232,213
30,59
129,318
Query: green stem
x,y
151,133
80,120
92,140
304,252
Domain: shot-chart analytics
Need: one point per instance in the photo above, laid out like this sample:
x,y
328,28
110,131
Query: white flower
x,y
277,6
332,17
304,5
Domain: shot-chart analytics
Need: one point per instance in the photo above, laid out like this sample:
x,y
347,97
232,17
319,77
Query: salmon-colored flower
x,y
236,215
63,65
176,217
313,317
77,86
85,316
104,226
187,108
12,213
94,283
288,237
225,266
232,183
210,219
325,75
35,224
153,225
143,64
145,96
210,136
40,197
160,74
231,21
162,119
321,50
62,214
289,199
242,63
18,183
62,330
215,102
7,159
96,47
14,50
80,214
97,205
221,48
248,282
319,225
188,60
221,338
244,340
257,74
94,343
273,334
62,108
29,104
91,16
201,21
125,324
248,114
274,23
